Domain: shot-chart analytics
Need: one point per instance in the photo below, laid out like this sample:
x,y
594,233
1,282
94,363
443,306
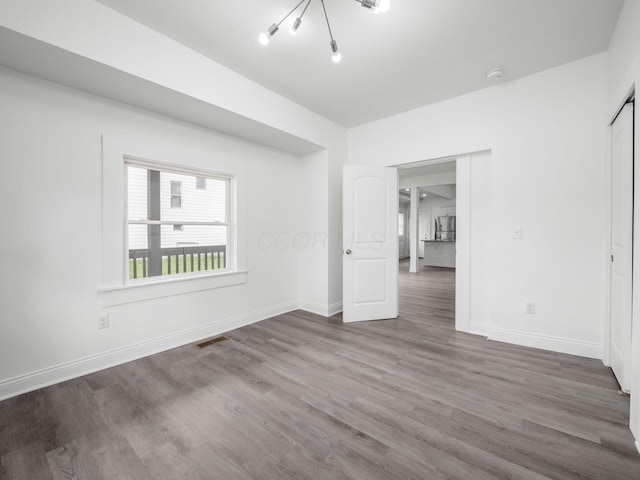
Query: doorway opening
x,y
427,237
471,173
371,228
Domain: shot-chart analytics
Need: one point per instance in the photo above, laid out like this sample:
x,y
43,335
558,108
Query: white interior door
x,y
370,245
621,244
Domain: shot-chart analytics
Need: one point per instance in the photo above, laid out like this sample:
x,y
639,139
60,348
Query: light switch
x,y
517,232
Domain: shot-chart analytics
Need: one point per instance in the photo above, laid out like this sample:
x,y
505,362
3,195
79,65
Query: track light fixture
x,y
298,21
376,6
336,56
265,37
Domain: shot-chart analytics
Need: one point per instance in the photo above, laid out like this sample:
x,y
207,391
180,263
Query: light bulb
x,y
263,38
294,28
384,5
336,57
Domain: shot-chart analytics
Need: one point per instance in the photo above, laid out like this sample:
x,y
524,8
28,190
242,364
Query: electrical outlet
x,y
517,232
103,321
530,308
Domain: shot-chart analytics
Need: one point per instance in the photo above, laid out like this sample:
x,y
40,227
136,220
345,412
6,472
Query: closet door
x,y
621,244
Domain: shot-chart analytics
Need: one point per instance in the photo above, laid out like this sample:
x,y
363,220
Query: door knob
x,y
347,251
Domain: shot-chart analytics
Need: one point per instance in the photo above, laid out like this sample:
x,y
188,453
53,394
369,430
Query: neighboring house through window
x,y
167,236
176,195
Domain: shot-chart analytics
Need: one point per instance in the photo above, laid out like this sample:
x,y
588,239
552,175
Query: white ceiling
x,y
418,53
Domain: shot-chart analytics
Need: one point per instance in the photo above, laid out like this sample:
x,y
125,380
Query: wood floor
x,y
301,397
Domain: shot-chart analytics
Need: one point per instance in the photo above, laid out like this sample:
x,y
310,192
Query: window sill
x,y
165,287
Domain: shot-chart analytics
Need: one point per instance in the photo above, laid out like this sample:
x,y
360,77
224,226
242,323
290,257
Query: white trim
x,y
545,342
116,152
606,321
84,366
168,286
176,222
319,308
432,161
637,443
169,167
481,329
463,244
634,412
313,307
334,309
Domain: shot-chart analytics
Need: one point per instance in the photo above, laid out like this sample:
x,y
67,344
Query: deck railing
x,y
179,260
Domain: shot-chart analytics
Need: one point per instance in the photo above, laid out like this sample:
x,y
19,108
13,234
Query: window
x,y
176,195
401,224
201,183
167,237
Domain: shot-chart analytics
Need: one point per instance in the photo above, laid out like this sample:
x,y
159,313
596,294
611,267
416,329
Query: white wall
x,y
311,197
89,39
546,134
623,75
439,205
50,140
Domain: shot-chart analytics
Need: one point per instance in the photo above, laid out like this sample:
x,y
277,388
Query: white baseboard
x,y
66,371
482,329
335,308
313,307
555,344
637,445
320,309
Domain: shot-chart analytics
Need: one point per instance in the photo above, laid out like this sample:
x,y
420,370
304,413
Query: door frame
x,y
463,234
635,294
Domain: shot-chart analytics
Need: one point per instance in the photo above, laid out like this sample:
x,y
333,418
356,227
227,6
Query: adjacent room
x,y
319,239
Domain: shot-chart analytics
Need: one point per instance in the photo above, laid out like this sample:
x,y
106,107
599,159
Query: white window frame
x,y
176,195
115,289
170,168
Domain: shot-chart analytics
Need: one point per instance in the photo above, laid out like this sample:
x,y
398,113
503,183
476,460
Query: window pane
x,y
179,199
137,194
196,248
193,235
137,237
208,205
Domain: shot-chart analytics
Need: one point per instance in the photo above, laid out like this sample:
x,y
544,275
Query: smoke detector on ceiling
x,y
494,74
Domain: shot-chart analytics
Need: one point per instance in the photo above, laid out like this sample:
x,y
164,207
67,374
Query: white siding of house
x,y
137,206
198,205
